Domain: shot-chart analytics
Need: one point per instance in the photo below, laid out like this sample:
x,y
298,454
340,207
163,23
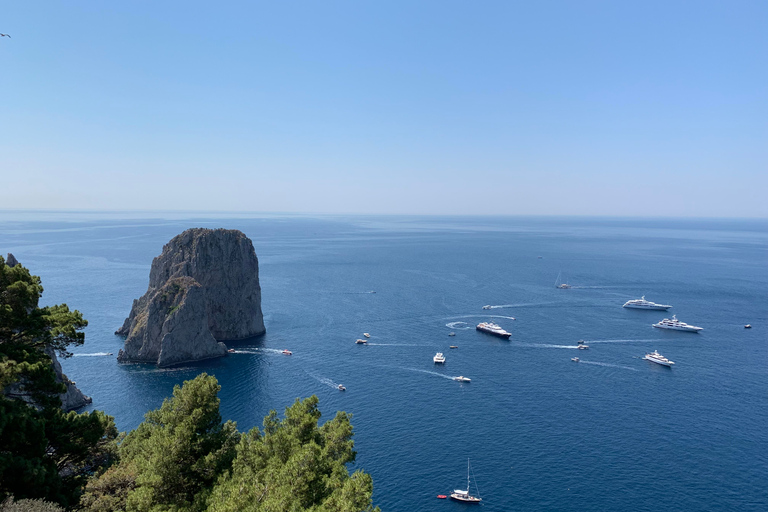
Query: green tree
x,y
44,452
171,461
295,465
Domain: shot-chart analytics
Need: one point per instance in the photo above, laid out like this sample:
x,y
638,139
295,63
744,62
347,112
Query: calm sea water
x,y
614,432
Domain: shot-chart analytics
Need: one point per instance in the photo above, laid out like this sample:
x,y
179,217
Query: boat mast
x,y
467,476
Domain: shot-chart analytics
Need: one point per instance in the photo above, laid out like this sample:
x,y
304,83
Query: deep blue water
x,y
614,432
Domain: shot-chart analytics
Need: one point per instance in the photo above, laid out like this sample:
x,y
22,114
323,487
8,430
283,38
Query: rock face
x,y
202,288
11,260
71,399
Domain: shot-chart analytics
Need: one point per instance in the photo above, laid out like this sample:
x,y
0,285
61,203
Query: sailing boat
x,y
558,284
464,496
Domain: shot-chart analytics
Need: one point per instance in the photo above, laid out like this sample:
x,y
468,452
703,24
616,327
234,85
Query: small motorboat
x,y
231,351
366,335
442,496
748,326
581,346
451,333
361,342
575,359
342,388
453,346
488,306
287,352
461,378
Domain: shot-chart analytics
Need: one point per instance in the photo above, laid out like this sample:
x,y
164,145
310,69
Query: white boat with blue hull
x,y
645,304
492,328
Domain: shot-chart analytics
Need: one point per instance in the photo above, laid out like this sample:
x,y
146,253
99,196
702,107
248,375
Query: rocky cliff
x,y
204,287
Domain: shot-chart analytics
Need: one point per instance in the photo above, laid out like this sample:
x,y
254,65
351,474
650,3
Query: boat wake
x,y
254,351
398,344
609,365
546,345
95,354
480,316
617,341
458,325
426,371
324,380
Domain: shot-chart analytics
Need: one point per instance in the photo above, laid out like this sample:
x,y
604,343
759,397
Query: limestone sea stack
x,y
203,289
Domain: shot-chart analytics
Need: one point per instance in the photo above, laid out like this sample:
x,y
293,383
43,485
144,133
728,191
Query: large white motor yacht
x,y
439,358
677,325
658,358
494,329
645,304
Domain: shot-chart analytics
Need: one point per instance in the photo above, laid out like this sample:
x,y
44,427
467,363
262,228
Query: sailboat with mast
x,y
464,496
560,284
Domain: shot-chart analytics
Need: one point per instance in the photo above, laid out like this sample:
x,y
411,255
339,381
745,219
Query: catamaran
x,y
464,496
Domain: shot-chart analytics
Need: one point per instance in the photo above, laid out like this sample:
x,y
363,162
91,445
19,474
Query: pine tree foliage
x,y
183,458
44,452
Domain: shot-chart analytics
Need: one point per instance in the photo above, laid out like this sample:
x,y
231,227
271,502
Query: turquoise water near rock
x,y
613,432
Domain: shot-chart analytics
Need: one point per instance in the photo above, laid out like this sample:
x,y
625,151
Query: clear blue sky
x,y
440,107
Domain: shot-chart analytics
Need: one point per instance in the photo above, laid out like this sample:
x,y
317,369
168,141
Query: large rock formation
x,y
202,288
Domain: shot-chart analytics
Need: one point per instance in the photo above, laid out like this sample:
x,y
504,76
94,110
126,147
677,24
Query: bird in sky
x,y
5,35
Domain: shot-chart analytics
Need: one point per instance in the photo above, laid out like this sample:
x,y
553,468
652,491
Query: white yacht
x,y
677,325
645,304
657,358
461,378
492,328
439,358
575,359
366,335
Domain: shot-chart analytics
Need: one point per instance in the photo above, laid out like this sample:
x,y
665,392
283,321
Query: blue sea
x,y
613,432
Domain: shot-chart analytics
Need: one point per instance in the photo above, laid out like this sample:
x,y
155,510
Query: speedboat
x,y
461,378
451,333
453,346
582,346
366,335
487,307
645,304
657,358
361,342
439,358
342,388
676,325
575,359
748,326
494,329
231,351
287,352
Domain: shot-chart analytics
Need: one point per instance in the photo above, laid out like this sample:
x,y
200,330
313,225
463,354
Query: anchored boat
x,y
464,496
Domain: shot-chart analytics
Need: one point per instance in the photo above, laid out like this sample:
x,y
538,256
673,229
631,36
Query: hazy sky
x,y
442,107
